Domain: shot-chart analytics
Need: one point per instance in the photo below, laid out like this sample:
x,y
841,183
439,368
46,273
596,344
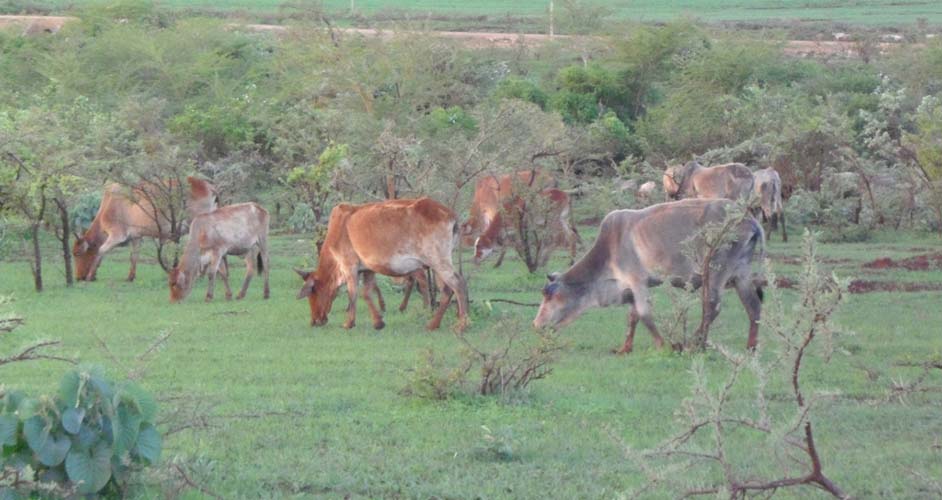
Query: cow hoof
x,y
348,324
432,326
677,347
130,279
622,351
379,326
228,296
240,296
209,298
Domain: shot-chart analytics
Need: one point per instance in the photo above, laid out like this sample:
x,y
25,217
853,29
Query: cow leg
x,y
410,282
454,285
713,309
351,320
265,260
630,337
112,241
224,272
249,272
642,308
135,252
500,258
379,295
369,284
214,263
751,297
422,283
781,217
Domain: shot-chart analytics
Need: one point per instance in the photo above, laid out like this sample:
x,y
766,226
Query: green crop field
x,y
318,412
863,11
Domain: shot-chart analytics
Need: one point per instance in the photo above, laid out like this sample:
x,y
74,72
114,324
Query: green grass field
x,y
332,422
860,11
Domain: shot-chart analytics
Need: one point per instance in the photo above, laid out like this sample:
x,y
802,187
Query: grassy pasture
x,y
331,421
881,12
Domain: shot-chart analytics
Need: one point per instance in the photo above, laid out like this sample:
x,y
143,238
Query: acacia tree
x,y
926,147
46,149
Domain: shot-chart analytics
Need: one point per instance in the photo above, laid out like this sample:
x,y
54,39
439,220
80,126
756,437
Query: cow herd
x,y
405,238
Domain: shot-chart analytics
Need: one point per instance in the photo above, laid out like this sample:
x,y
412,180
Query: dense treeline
x,y
303,119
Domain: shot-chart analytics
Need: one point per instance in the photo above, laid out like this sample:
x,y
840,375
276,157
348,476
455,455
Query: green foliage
x,y
520,88
575,108
92,435
84,209
927,140
441,121
302,219
497,446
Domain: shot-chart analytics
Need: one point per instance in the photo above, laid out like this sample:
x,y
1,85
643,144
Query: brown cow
x,y
490,193
637,249
240,229
768,187
731,181
556,219
124,217
395,238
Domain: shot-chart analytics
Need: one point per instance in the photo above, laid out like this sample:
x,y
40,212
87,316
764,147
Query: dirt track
x,y
30,25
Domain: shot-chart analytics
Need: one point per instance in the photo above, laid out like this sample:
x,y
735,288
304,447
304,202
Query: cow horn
x,y
552,277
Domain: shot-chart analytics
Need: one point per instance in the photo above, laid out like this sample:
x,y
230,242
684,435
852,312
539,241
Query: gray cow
x,y
768,188
637,249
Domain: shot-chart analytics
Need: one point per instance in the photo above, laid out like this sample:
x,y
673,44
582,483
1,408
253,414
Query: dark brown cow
x,y
732,181
490,194
395,238
637,249
556,218
124,217
240,229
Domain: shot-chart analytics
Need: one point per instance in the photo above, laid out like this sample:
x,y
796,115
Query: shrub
x,y
302,219
518,88
506,370
88,439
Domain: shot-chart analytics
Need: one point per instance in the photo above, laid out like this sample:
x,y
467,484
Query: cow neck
x,y
190,262
94,236
493,229
326,266
592,267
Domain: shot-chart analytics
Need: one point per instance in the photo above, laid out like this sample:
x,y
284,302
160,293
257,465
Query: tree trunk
x,y
37,266
64,239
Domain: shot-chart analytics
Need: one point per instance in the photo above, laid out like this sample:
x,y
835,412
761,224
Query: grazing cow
x,y
124,218
555,219
490,194
732,181
637,249
395,238
768,188
240,229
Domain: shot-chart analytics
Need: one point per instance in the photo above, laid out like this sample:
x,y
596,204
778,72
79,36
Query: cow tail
x,y
258,260
456,244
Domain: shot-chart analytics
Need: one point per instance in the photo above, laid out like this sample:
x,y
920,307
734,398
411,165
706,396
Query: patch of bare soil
x,y
925,262
51,24
869,286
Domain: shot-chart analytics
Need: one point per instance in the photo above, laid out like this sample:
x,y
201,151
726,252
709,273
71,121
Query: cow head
x,y
84,253
672,180
320,296
203,197
179,284
483,248
467,233
562,303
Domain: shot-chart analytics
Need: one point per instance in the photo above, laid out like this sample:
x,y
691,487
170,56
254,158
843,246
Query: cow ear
x,y
307,290
303,274
552,277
